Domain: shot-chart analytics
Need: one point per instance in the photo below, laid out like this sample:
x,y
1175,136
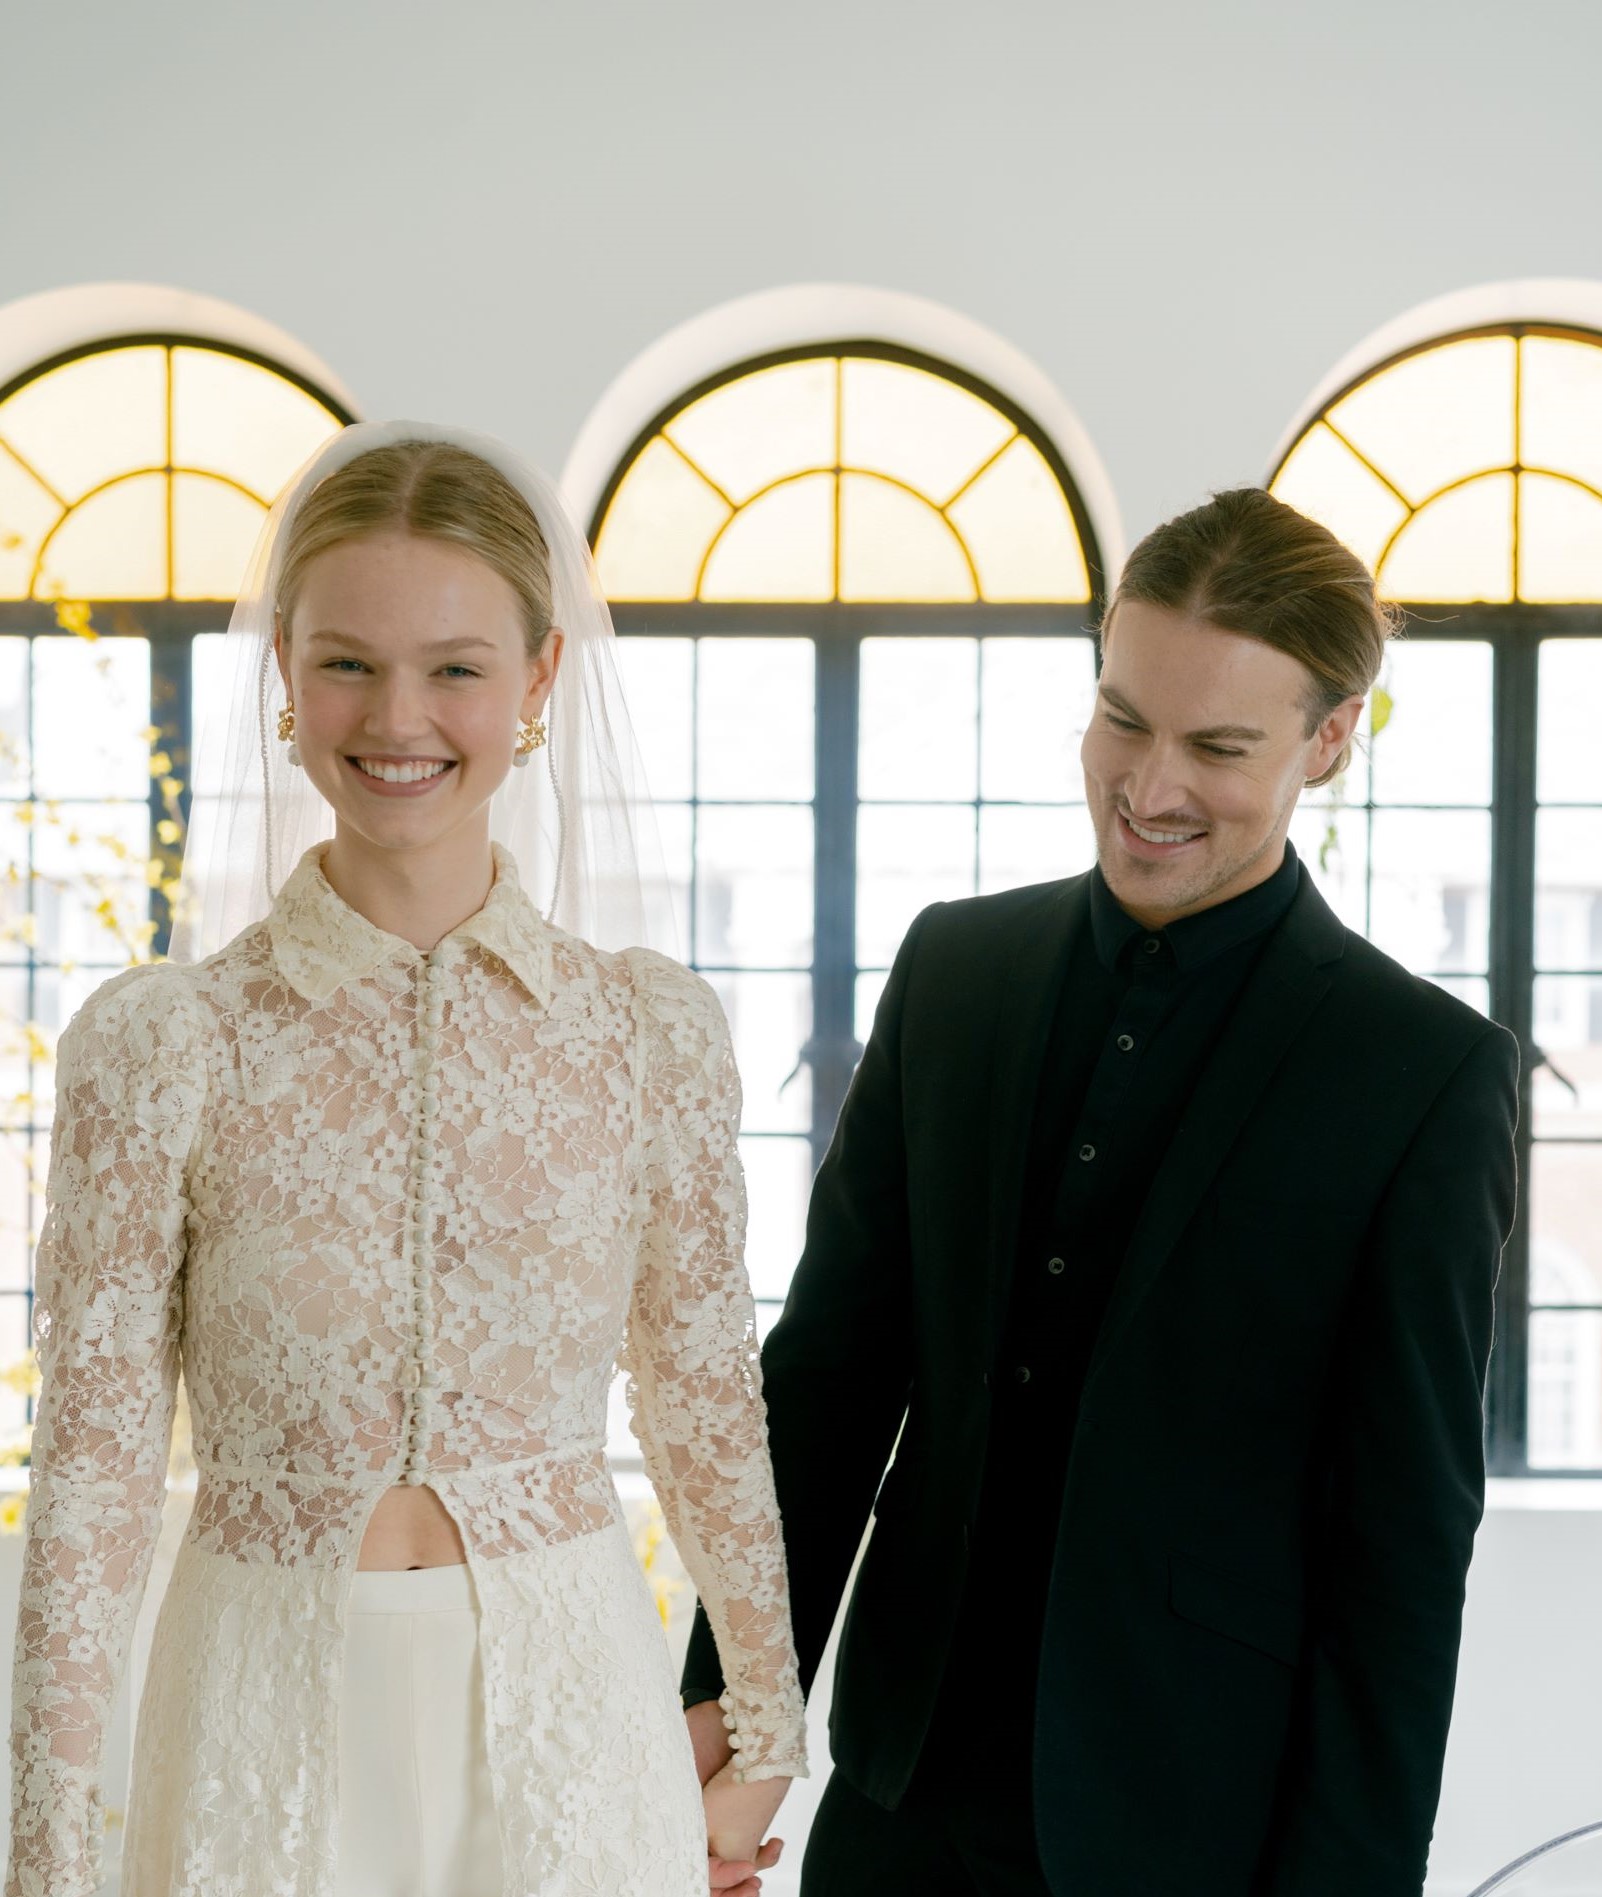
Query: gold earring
x,y
286,732
530,736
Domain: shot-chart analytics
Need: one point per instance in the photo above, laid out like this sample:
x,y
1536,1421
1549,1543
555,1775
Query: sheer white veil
x,y
581,830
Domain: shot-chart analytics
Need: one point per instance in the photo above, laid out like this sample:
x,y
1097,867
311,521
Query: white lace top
x,y
399,1214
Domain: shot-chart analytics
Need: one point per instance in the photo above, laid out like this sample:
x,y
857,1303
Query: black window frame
x,y
1515,632
169,626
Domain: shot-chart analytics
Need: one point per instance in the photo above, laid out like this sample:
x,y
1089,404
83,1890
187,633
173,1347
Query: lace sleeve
x,y
107,1317
696,1388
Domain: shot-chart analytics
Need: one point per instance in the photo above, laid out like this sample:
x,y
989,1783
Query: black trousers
x,y
963,1829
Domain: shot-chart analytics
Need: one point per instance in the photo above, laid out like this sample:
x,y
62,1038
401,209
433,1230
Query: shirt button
x,y
1125,1043
1021,1374
1152,944
412,1376
1056,1266
413,1478
1087,1153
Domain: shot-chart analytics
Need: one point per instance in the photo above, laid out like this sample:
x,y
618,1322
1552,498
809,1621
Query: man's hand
x,y
729,1877
709,1737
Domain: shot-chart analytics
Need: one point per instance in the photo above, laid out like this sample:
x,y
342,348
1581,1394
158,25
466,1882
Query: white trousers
x,y
415,1812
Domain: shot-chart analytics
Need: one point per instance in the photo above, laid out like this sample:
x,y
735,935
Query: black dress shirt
x,y
1137,1013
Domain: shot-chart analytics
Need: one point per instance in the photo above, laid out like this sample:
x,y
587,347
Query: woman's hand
x,y
739,1878
738,1817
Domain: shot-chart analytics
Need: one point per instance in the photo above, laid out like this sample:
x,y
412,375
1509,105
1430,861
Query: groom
x,y
1156,1243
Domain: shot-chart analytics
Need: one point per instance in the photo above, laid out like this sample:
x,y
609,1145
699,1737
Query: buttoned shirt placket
x,y
417,1375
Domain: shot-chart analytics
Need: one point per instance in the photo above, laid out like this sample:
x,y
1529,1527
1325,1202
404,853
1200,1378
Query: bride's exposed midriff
x,y
411,1528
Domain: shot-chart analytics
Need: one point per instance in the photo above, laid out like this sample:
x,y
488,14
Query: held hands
x,y
737,1816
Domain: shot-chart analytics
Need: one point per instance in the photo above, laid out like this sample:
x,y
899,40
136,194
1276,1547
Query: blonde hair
x,y
1245,562
436,490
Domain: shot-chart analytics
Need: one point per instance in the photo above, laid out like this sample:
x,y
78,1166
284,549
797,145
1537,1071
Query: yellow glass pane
x,y
773,423
113,546
657,529
915,427
1458,548
238,419
1560,541
214,527
1323,479
779,547
91,420
27,513
1560,397
895,546
1437,417
1019,532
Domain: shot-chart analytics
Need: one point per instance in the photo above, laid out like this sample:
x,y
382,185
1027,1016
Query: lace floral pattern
x,y
400,1214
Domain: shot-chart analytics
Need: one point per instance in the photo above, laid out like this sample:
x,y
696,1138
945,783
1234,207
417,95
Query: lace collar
x,y
320,942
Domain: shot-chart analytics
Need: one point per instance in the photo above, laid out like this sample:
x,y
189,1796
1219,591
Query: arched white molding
x,y
804,314
1561,300
36,328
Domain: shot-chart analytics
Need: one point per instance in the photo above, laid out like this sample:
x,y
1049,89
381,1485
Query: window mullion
x,y
172,716
834,1047
1515,659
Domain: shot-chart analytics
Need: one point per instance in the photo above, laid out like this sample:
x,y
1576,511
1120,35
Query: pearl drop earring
x,y
530,736
286,732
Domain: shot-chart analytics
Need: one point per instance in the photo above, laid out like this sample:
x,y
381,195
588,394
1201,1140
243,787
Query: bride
x,y
399,1168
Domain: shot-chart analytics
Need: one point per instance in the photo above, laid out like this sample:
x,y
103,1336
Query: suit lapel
x,y
1031,981
1288,983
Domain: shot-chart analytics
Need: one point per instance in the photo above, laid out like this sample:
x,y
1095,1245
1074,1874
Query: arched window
x,y
1466,469
135,471
855,587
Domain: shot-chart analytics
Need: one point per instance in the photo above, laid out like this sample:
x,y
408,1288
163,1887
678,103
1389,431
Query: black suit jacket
x,y
1277,1470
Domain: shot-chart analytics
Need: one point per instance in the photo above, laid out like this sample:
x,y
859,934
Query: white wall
x,y
1525,1758
479,213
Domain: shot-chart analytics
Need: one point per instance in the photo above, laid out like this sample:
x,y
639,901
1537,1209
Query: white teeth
x,y
1162,836
400,773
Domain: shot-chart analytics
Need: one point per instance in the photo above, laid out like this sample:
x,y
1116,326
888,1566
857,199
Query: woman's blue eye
x,y
459,671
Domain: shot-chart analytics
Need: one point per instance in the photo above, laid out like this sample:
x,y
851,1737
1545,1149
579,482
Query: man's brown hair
x,y
1246,563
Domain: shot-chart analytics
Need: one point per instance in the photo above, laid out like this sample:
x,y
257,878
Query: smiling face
x,y
1194,759
408,667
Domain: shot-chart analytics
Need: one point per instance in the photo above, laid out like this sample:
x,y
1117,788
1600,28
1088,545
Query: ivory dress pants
x,y
415,1812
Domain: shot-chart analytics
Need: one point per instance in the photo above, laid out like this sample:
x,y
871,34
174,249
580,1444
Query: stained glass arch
x,y
1467,469
849,473
140,468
